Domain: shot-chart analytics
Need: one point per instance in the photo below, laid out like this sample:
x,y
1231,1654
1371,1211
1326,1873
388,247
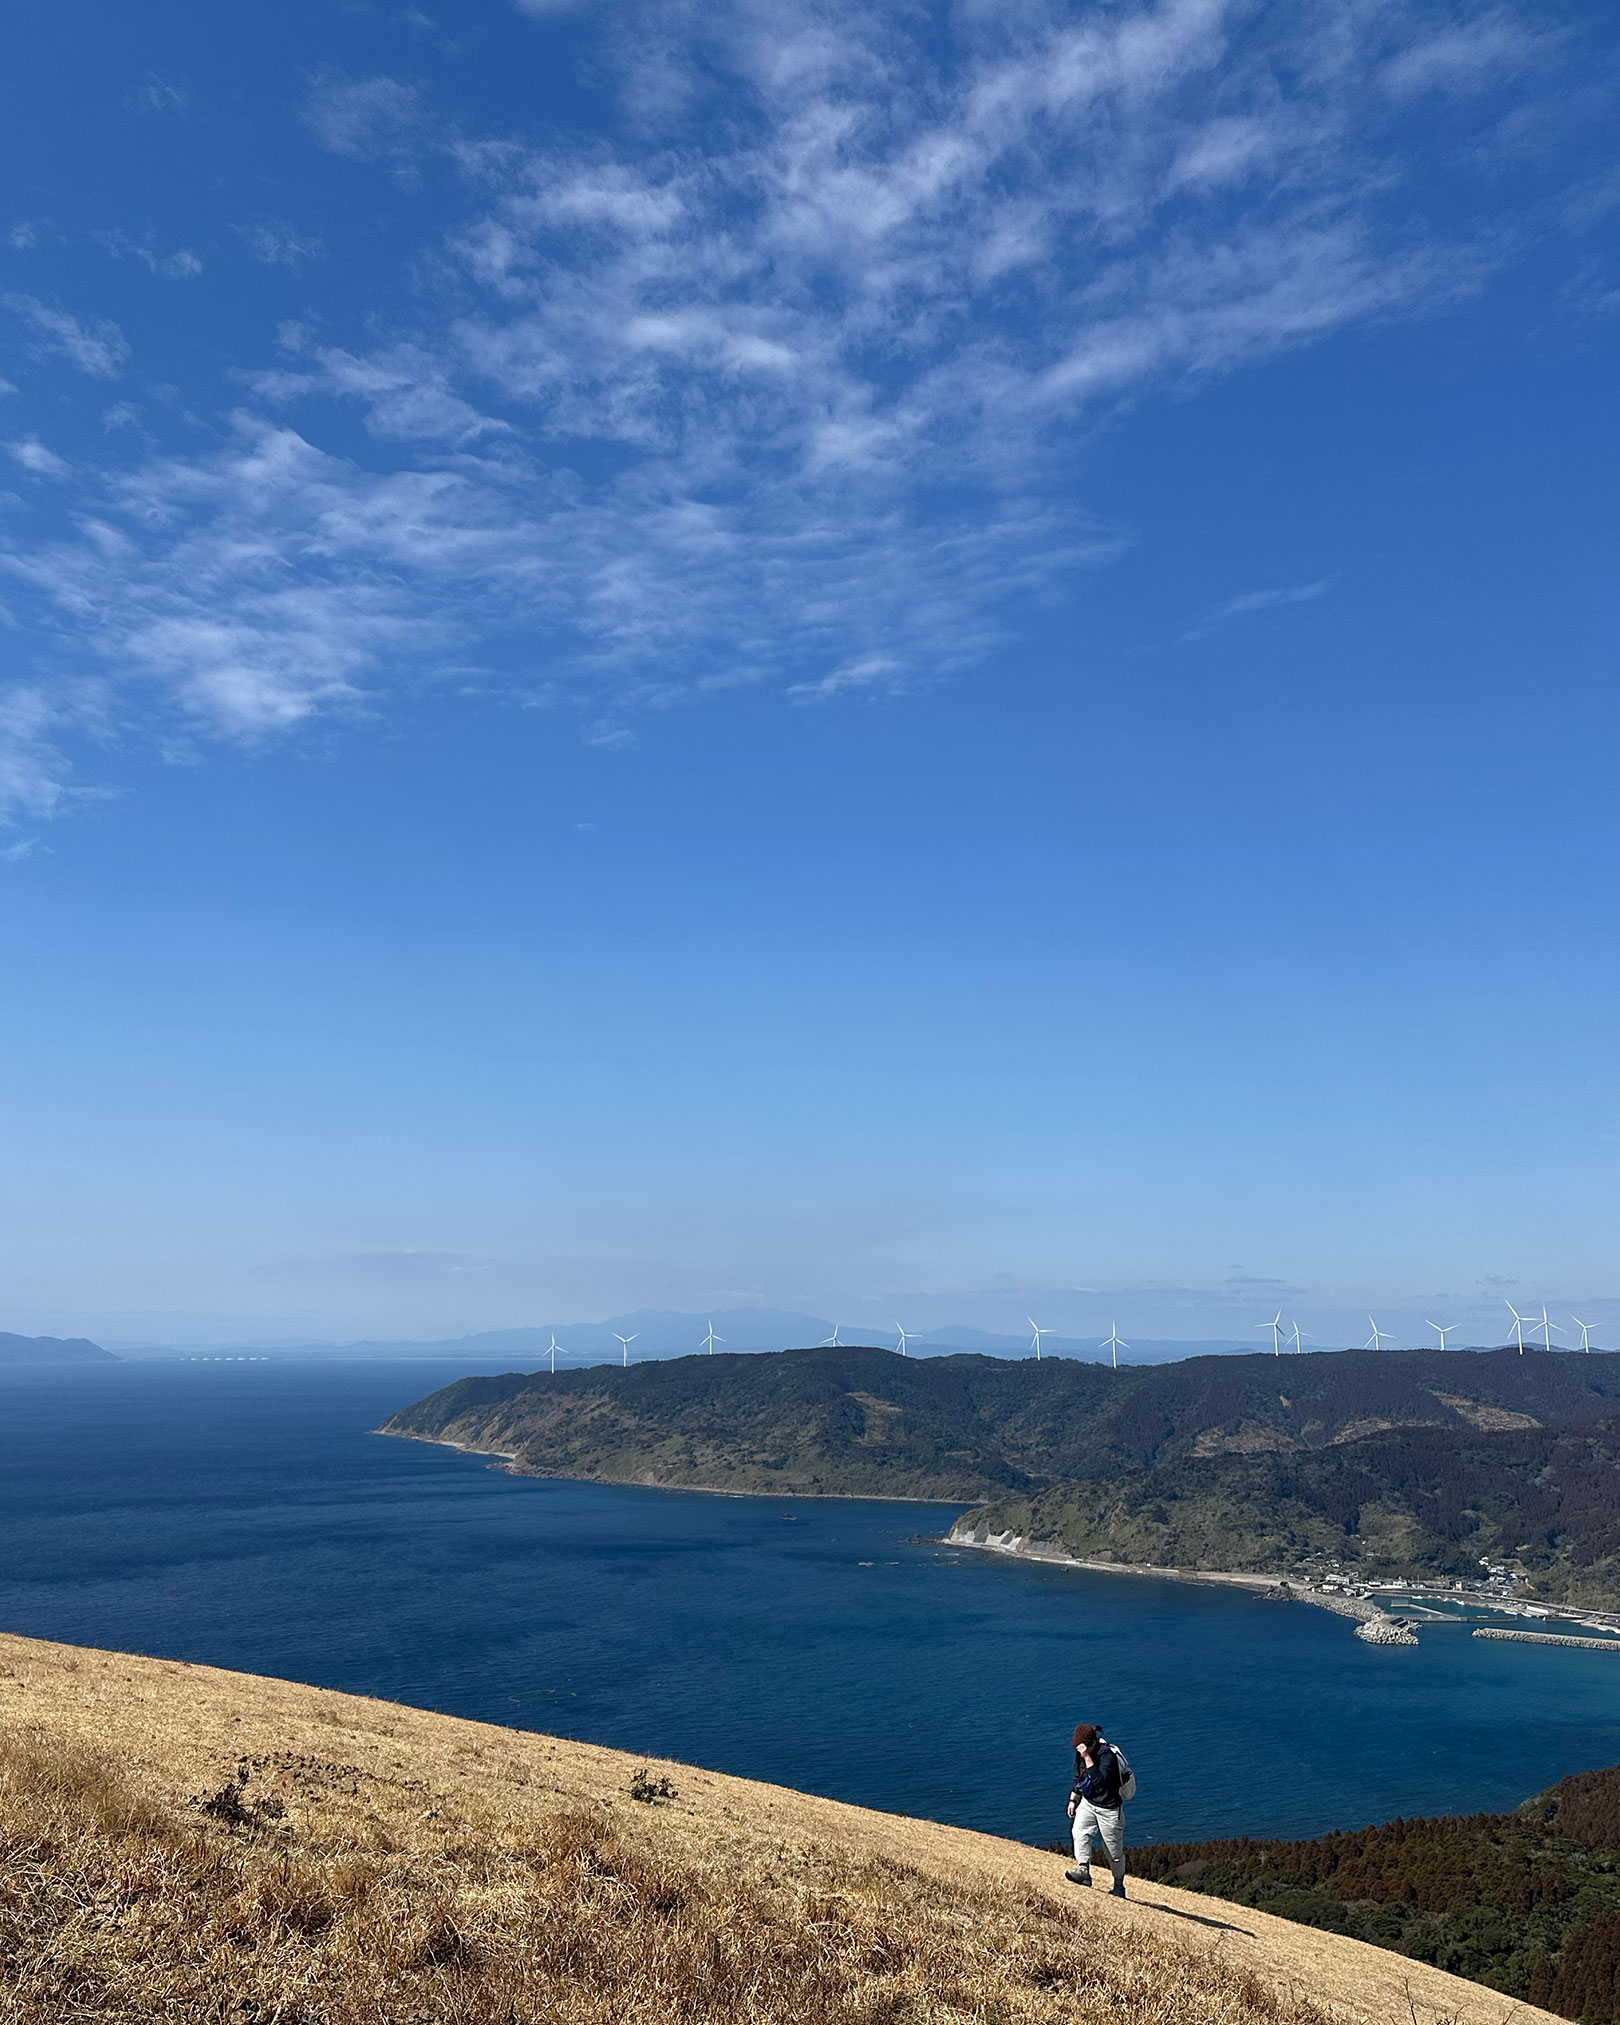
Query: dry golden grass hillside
x,y
181,1843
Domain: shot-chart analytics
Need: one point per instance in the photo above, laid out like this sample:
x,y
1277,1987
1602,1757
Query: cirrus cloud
x,y
790,380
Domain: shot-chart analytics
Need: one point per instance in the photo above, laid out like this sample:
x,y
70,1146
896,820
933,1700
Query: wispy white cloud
x,y
1468,55
34,777
90,344
1247,603
279,244
1592,292
33,456
376,119
793,382
180,265
160,94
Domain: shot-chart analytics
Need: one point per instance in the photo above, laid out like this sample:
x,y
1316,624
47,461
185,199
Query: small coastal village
x,y
1385,1611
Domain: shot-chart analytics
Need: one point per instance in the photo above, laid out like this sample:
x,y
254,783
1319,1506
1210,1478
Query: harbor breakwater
x,y
1549,1638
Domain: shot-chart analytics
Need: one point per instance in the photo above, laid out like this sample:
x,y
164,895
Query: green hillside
x,y
1390,1463
1424,1502
1528,1903
870,1423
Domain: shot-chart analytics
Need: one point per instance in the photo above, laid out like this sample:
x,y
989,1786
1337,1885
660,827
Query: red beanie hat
x,y
1085,1734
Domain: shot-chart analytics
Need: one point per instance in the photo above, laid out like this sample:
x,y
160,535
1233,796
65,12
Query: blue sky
x,y
807,654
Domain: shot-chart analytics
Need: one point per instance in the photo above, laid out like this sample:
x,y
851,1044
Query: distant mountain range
x,y
1389,1462
666,1332
52,1350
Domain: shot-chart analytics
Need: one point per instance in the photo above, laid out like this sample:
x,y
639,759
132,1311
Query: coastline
x,y
1017,1550
1289,1586
516,1468
1343,1606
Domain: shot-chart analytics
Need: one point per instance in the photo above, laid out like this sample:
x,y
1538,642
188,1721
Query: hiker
x,y
1097,1806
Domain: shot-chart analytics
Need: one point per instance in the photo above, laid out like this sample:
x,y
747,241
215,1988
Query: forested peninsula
x,y
1410,1464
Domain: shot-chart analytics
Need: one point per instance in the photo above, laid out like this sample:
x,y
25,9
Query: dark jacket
x,y
1098,1783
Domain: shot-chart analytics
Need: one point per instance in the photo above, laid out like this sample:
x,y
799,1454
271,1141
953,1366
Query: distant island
x,y
1416,1464
52,1350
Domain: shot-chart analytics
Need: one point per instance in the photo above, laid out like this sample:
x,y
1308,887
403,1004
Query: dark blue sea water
x,y
242,1514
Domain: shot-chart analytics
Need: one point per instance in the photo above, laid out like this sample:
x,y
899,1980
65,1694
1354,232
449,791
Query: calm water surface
x,y
242,1514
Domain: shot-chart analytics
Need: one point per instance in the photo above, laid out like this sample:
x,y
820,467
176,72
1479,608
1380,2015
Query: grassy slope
x,y
1528,1902
381,1864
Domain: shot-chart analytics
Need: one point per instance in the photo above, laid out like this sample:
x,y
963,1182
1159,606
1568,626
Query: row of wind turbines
x,y
555,1349
1113,1342
1376,1341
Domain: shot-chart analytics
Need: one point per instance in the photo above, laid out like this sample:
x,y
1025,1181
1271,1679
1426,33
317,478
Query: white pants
x,y
1107,1825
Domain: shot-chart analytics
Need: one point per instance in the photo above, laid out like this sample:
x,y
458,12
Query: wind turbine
x,y
1275,1326
711,1339
553,1353
1111,1342
626,1341
1450,1329
830,1342
1300,1341
1376,1340
1586,1329
1039,1333
904,1338
1548,1329
1518,1323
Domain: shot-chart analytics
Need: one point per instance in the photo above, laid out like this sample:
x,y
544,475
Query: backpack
x,y
1127,1778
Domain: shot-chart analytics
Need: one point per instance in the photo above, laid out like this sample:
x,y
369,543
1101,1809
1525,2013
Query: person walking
x,y
1096,1807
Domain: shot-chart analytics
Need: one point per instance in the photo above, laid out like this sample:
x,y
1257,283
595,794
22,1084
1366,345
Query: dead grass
x,y
183,1843
320,1894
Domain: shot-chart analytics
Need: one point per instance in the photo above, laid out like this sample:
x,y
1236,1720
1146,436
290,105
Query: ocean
x,y
242,1514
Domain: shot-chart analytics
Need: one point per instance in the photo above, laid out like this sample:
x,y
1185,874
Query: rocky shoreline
x,y
1365,1612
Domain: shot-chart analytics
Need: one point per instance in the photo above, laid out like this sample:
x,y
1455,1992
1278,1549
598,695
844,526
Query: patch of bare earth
x,y
1489,1419
1248,1438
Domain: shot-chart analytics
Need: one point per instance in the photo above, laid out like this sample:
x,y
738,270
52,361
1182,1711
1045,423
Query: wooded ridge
x,y
1528,1902
1406,1463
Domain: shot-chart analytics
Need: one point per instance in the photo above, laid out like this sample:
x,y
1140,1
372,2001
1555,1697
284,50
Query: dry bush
x,y
116,1907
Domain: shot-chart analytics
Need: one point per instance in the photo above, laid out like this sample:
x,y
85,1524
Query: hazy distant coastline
x,y
52,1350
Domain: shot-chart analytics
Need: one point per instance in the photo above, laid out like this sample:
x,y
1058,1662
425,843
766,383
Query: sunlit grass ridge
x,y
180,1843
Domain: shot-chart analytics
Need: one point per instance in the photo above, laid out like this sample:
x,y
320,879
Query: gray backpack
x,y
1127,1778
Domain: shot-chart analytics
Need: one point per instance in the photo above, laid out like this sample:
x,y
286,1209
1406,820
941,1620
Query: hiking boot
x,y
1078,1876
1118,1890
